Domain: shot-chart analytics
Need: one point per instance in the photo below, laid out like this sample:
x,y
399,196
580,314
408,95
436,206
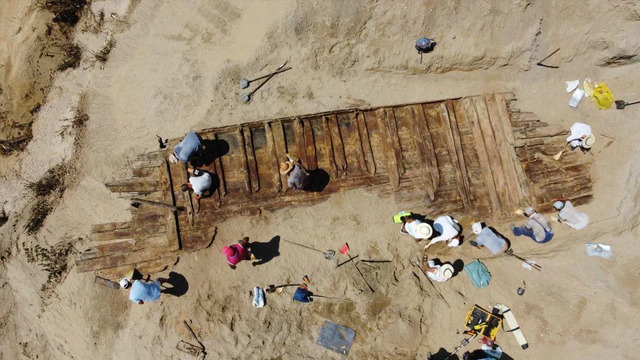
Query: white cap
x,y
125,283
476,227
529,210
558,205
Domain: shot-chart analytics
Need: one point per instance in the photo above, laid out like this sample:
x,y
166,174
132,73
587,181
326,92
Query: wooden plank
x,y
158,240
514,190
422,130
338,145
134,185
280,146
301,150
172,218
279,182
180,170
310,146
455,152
328,143
356,140
507,129
392,128
129,258
252,166
366,143
468,109
222,185
244,158
390,151
492,152
421,153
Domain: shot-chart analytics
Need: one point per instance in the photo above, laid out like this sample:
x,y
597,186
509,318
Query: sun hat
x,y
228,250
476,227
588,141
446,271
286,167
424,230
558,205
125,283
454,242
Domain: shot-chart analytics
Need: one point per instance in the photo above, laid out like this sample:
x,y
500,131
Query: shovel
x,y
345,251
621,104
244,82
277,288
329,254
246,98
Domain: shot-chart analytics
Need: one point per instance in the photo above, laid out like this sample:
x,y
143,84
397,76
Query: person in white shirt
x,y
416,228
581,136
448,230
568,215
200,183
439,273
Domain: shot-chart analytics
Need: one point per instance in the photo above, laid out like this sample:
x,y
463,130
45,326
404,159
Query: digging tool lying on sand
x,y
329,254
540,63
203,353
463,343
621,104
244,82
344,250
346,261
246,98
277,288
531,263
430,282
330,298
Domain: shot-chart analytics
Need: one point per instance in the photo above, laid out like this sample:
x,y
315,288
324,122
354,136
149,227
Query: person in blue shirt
x,y
139,291
189,148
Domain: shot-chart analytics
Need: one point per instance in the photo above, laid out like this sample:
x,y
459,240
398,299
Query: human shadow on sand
x,y
318,180
212,149
178,285
264,252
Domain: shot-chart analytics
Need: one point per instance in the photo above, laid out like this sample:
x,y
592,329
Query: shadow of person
x,y
318,180
458,266
212,149
443,354
264,252
179,285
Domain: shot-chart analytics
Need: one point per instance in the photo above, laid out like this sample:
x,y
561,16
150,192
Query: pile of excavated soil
x,y
175,68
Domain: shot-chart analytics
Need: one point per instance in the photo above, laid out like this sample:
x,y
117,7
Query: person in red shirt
x,y
236,252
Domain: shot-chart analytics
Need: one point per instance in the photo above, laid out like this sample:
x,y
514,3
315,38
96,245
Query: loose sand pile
x,y
174,68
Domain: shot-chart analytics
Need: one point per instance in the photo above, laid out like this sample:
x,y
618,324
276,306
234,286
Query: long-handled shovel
x,y
330,298
244,82
277,288
531,263
430,282
344,250
246,98
621,104
329,254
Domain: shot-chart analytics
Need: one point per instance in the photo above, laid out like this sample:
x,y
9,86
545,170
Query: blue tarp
x,y
478,274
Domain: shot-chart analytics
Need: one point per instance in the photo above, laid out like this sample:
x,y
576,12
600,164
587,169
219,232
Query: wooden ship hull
x,y
475,155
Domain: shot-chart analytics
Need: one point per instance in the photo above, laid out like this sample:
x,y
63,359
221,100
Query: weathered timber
x,y
478,156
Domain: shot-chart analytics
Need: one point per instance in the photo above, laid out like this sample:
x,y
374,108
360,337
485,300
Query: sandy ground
x,y
175,68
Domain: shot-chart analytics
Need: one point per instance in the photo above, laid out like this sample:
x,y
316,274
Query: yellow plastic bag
x,y
603,96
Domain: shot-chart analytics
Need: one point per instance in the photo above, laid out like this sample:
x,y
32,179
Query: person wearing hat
x,y
297,175
187,149
536,227
448,230
568,215
200,183
486,237
416,228
439,273
581,136
140,291
236,252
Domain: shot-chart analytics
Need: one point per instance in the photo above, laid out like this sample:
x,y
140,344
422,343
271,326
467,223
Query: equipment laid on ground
x,y
540,63
425,45
336,337
398,217
344,250
246,98
194,350
513,325
463,343
531,263
483,322
244,82
478,274
329,254
621,104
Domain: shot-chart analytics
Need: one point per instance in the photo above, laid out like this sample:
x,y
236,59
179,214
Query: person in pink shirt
x,y
236,252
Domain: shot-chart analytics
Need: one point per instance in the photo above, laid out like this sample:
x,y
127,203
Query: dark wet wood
x,y
478,156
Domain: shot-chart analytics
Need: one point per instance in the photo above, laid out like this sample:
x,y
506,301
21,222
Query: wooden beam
x,y
455,152
421,153
218,169
172,217
310,145
422,127
338,145
366,143
392,128
277,178
329,146
301,150
251,159
243,158
280,145
390,150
